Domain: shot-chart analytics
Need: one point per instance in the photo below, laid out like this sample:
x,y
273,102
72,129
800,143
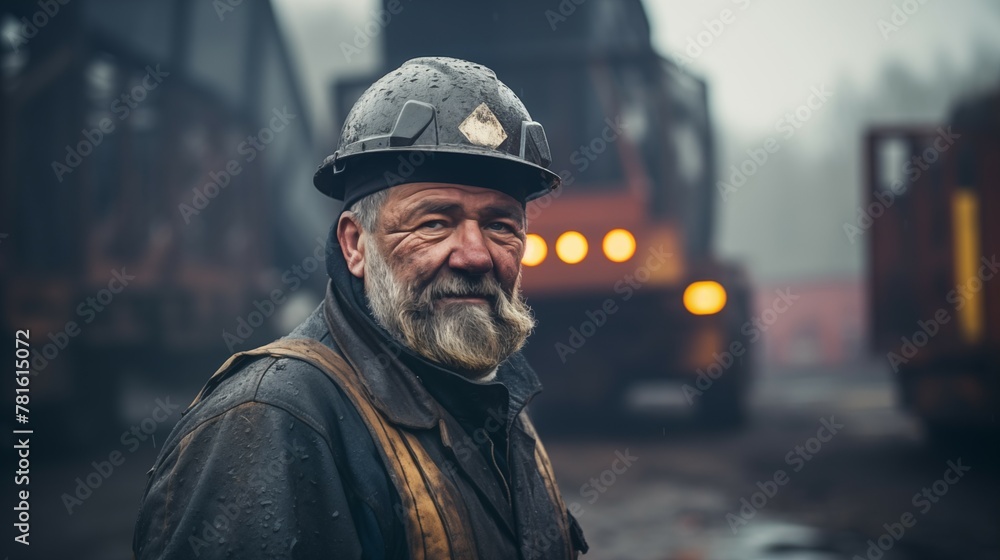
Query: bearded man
x,y
392,422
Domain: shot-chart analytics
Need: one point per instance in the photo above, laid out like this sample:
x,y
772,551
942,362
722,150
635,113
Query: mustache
x,y
452,285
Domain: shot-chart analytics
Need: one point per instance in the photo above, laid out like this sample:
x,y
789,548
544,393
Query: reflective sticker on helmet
x,y
482,128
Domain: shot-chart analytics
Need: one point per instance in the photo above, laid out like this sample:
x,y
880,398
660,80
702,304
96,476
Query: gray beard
x,y
470,338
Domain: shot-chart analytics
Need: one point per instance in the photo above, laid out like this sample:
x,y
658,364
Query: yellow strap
x,y
435,525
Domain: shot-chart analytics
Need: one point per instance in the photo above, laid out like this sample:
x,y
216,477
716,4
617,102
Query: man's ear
x,y
349,236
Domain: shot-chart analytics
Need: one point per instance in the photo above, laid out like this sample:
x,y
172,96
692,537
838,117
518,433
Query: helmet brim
x,y
352,177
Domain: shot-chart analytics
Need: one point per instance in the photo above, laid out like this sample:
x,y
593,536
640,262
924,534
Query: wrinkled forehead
x,y
414,199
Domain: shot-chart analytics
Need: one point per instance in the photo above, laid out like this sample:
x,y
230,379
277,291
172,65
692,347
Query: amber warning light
x,y
704,297
535,250
571,247
619,245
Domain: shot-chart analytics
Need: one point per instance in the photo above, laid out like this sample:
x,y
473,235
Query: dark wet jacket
x,y
275,461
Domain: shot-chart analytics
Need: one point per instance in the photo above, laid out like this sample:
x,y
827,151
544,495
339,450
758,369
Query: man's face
x,y
442,273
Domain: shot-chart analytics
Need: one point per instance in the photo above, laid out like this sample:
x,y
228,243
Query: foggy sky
x,y
786,222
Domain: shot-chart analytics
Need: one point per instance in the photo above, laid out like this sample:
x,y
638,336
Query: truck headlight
x,y
705,297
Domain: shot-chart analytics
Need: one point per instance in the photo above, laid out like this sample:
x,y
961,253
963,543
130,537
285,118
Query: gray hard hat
x,y
443,120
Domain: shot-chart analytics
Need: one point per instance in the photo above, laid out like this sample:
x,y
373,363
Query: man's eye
x,y
432,224
501,226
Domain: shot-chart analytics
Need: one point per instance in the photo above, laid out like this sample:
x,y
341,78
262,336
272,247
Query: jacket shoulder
x,y
306,392
301,389
251,482
260,403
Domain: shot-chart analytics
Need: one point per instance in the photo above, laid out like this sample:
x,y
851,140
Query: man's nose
x,y
470,253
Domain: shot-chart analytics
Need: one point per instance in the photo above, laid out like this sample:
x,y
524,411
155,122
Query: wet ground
x,y
667,490
860,494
